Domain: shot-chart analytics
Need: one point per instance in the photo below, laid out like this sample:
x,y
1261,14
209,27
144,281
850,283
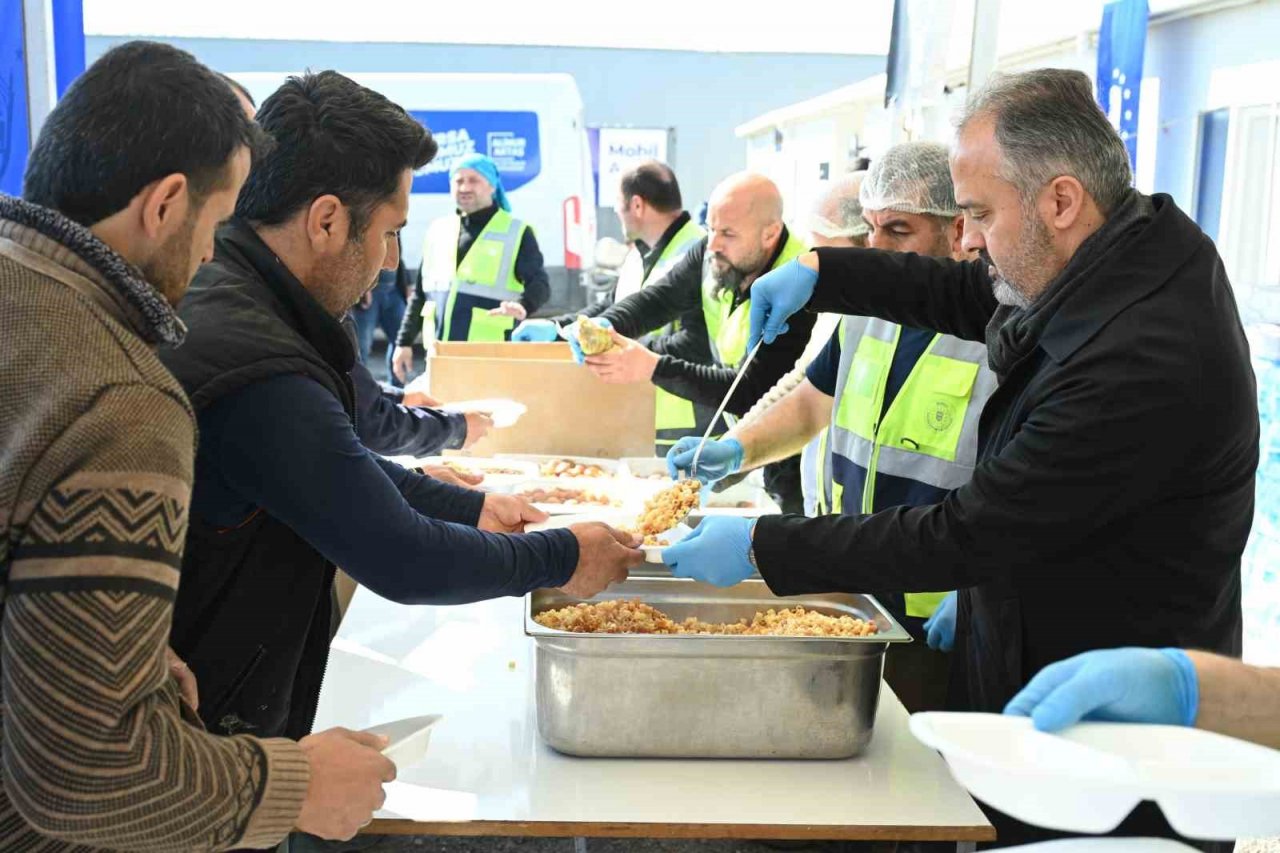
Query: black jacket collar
x,y
240,246
475,222
1135,268
651,255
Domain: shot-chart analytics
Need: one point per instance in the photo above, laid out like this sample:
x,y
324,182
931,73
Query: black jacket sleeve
x,y
1091,454
388,427
952,297
707,383
532,273
411,325
658,304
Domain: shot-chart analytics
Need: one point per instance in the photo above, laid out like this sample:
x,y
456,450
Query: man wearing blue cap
x,y
481,271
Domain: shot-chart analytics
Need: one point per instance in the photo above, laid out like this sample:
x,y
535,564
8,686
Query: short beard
x,y
169,271
338,288
1028,267
729,277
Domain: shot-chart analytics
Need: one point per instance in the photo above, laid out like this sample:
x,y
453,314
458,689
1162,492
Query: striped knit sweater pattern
x,y
96,454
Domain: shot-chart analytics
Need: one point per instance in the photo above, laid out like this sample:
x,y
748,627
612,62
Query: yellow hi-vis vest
x,y
927,440
673,417
487,271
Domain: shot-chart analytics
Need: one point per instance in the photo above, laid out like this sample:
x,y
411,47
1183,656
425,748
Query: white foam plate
x,y
1090,776
504,412
652,553
409,738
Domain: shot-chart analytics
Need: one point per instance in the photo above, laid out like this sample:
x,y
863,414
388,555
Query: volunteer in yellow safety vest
x,y
709,291
650,208
901,404
481,270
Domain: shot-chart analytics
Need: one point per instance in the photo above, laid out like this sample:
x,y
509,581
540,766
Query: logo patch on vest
x,y
940,417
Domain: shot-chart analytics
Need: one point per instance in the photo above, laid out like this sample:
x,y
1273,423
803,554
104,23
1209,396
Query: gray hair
x,y
1048,125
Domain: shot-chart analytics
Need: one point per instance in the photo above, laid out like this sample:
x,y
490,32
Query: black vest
x,y
254,606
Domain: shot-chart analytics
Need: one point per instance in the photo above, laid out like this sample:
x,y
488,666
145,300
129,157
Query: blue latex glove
x,y
777,295
576,348
940,628
535,331
1120,685
719,458
716,552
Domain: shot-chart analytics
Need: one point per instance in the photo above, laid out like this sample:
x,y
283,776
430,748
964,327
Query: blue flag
x,y
13,98
1121,43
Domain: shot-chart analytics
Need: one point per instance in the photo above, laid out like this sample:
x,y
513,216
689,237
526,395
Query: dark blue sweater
x,y
286,445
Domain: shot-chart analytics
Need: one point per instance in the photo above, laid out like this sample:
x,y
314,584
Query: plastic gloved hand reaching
x,y
940,628
1128,685
777,295
535,331
718,552
719,459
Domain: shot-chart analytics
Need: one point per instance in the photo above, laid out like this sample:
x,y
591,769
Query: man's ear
x,y
328,223
164,206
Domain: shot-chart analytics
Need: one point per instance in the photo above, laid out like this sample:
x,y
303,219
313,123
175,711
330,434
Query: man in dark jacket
x,y
284,489
1114,487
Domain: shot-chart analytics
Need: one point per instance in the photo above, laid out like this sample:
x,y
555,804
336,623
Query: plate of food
x,y
661,519
569,467
564,497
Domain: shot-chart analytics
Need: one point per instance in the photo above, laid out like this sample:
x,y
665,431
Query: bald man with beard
x,y
745,238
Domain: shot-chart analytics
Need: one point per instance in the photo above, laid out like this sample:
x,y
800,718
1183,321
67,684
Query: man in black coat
x,y
1114,487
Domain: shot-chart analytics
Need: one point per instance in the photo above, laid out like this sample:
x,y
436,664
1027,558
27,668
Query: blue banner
x,y
510,138
13,98
68,42
1122,41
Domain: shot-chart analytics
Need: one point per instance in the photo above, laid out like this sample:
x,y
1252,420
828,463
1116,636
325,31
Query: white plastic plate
x,y
1104,845
504,412
1090,776
653,553
409,738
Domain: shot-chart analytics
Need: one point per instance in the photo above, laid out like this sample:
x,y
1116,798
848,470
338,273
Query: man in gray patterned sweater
x,y
135,167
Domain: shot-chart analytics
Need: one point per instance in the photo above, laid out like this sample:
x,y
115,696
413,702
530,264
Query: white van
x,y
530,124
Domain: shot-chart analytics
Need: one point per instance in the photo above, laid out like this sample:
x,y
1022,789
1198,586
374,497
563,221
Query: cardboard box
x,y
570,410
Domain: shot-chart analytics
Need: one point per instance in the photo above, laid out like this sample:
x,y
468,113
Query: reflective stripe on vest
x,y
813,481
929,434
487,271
727,327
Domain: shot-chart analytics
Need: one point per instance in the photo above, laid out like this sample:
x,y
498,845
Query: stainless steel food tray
x,y
703,696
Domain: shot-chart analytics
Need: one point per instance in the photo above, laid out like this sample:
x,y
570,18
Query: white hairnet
x,y
838,212
914,177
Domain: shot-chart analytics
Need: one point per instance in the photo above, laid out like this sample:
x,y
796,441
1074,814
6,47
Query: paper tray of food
x,y
560,496
709,695
568,467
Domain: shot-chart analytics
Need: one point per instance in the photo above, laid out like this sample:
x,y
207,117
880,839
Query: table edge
x,y
572,829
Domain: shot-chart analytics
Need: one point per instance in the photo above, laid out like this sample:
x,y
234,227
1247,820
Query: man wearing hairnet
x,y
902,405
